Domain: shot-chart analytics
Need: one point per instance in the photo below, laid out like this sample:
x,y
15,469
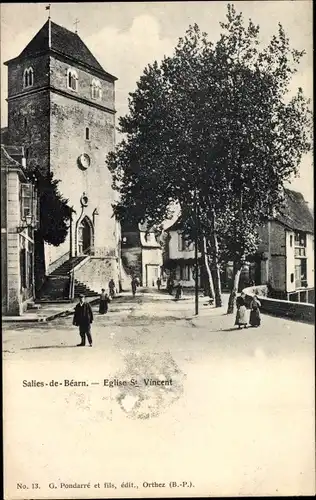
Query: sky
x,y
126,36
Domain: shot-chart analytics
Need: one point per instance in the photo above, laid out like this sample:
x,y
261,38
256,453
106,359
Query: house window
x,y
189,246
26,200
72,79
96,90
300,244
87,133
300,273
186,273
300,239
28,78
180,242
291,240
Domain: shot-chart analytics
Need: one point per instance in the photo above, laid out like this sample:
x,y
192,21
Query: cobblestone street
x,y
242,400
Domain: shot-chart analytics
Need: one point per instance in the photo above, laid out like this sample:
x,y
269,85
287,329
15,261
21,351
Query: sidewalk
x,y
48,312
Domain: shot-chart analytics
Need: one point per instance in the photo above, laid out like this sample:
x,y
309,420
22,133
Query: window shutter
x,y
35,208
23,267
26,200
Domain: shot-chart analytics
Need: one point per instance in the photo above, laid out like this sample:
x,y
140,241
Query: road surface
x,y
231,411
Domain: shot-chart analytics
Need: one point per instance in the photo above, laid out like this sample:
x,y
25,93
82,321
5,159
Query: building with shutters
x,y
19,218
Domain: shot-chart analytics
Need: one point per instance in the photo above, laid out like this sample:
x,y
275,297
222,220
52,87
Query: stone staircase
x,y
68,266
84,289
56,287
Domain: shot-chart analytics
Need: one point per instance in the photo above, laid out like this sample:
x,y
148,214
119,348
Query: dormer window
x,y
96,90
72,79
28,78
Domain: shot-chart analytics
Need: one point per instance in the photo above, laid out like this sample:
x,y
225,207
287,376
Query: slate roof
x,y
64,42
176,226
295,213
6,160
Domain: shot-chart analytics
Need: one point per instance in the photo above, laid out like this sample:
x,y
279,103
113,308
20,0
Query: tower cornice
x,y
74,97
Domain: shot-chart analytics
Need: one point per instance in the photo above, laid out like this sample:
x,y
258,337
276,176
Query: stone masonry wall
x,y
69,120
97,272
29,127
14,282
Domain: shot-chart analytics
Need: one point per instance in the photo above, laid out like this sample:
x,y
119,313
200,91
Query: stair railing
x,y
71,285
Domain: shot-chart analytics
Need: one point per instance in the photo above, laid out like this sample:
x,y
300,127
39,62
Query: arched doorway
x,y
85,236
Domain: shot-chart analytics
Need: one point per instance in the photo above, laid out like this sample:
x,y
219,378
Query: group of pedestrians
x,y
241,315
178,288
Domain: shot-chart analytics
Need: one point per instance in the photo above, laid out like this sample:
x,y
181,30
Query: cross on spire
x,y
76,25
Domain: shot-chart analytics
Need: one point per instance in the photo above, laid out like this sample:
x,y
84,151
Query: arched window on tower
x,y
96,90
72,79
28,77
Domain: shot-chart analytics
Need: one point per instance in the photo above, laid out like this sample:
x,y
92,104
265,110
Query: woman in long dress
x,y
104,301
255,318
241,319
179,291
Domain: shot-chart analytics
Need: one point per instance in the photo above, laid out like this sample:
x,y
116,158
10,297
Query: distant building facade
x,y
287,249
19,218
284,259
179,261
141,254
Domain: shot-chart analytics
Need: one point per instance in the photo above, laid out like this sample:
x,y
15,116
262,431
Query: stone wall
x,y
69,120
28,118
292,310
97,272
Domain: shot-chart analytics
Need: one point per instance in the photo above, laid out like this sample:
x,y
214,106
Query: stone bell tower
x,y
61,108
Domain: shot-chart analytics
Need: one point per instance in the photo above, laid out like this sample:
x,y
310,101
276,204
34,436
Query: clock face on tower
x,y
84,161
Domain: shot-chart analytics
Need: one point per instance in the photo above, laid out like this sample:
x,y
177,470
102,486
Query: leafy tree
x,y
54,217
213,128
53,209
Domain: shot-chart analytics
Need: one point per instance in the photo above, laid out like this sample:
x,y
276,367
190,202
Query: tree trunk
x,y
215,264
234,290
209,288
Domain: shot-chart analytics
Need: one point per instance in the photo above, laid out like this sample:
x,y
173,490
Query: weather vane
x,y
48,8
76,25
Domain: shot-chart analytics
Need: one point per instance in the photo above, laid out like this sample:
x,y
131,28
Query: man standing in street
x,y
83,318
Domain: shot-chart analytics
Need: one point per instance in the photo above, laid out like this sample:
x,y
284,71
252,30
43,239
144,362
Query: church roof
x,y
64,42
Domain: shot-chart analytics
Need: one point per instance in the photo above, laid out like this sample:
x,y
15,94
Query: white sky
x,y
125,37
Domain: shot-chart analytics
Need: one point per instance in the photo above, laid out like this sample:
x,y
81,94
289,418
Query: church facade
x,y
61,109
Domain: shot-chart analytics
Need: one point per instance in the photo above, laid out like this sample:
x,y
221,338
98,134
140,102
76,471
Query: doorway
x,y
152,273
84,237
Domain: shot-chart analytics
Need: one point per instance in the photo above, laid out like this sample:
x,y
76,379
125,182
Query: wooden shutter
x,y
26,200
